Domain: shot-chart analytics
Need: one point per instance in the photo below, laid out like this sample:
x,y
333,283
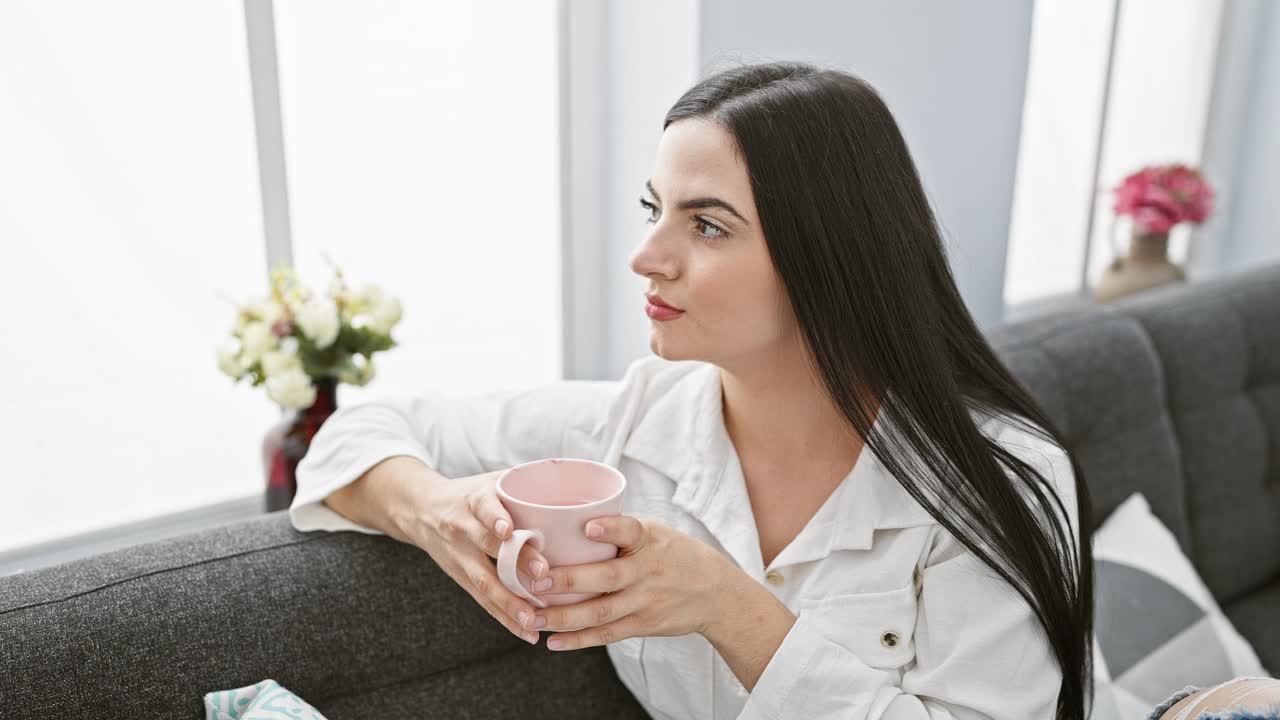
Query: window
x,y
130,207
429,163
417,159
1155,111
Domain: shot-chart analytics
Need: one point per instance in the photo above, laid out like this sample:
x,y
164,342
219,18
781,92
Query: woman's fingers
x,y
465,525
489,512
526,562
486,506
482,582
458,527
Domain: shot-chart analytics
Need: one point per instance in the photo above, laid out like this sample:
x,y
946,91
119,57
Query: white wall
x,y
952,73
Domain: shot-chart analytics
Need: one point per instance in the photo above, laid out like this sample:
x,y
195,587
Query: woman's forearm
x,y
750,626
380,497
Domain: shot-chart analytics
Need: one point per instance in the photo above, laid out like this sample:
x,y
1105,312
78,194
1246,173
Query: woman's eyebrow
x,y
700,203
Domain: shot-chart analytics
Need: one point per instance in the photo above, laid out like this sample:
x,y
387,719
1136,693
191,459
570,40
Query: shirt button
x,y
774,577
889,639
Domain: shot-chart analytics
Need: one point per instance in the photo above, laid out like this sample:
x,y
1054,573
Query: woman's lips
x,y
656,299
658,312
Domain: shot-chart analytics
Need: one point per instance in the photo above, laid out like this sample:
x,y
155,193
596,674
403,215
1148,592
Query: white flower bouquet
x,y
294,337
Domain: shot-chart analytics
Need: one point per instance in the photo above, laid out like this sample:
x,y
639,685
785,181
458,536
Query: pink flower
x,y
1161,196
1153,218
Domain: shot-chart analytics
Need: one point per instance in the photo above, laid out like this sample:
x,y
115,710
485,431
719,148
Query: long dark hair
x,y
852,235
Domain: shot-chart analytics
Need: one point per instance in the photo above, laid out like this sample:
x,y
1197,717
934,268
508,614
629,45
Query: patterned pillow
x,y
263,700
1157,628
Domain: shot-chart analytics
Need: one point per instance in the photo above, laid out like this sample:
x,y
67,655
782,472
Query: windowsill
x,y
83,545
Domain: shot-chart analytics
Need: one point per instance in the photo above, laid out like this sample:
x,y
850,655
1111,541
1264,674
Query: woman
x,y
840,504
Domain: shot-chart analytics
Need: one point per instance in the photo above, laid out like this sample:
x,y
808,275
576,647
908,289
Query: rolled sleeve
x,y
455,435
352,440
812,677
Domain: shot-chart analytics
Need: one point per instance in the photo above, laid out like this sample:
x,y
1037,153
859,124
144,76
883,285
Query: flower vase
x,y
1147,265
287,442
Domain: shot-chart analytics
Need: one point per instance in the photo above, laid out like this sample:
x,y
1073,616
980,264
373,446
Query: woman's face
x,y
706,253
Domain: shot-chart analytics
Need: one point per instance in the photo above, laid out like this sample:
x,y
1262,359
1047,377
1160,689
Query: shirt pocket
x,y
626,655
879,627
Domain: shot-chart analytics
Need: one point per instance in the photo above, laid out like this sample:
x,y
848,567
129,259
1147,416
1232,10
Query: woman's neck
x,y
779,413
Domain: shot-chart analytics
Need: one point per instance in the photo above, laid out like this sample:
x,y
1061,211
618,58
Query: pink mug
x,y
550,502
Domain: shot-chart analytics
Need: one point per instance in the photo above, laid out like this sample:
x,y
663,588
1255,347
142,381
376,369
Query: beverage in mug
x,y
550,502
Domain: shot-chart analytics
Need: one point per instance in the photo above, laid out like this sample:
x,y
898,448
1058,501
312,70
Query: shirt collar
x,y
683,436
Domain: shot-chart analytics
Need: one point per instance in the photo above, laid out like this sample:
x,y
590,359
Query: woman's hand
x,y
663,582
458,523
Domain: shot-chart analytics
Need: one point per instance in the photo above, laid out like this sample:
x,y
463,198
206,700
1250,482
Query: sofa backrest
x,y
357,625
1175,393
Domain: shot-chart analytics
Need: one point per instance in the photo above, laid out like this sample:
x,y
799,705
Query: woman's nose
x,y
651,256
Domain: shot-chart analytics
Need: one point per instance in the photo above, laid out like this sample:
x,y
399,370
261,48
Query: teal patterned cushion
x,y
266,700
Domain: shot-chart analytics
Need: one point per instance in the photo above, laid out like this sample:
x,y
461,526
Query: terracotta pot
x,y
288,440
1146,266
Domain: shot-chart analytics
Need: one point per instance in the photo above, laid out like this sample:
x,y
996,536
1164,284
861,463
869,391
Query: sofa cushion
x,y
1174,393
1157,627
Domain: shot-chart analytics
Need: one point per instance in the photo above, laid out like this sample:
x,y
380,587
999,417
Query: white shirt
x,y
871,562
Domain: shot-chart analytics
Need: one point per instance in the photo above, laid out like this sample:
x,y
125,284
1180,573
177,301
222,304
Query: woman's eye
x,y
715,232
651,208
704,224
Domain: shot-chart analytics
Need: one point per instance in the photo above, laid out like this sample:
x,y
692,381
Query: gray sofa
x,y
1175,393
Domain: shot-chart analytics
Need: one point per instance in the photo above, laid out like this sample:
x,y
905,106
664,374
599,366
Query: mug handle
x,y
507,555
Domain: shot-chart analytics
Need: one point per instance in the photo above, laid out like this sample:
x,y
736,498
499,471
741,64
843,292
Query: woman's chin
x,y
665,349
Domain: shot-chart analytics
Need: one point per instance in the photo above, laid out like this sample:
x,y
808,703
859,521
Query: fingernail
x,y
594,531
555,643
543,584
501,527
523,618
535,567
538,621
532,638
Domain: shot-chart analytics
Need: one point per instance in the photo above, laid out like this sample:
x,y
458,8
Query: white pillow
x,y
1157,627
